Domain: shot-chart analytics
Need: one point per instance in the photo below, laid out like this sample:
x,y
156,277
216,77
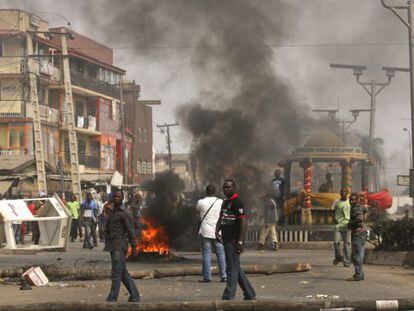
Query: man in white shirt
x,y
209,209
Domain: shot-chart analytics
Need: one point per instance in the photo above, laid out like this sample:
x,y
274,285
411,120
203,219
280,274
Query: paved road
x,y
324,279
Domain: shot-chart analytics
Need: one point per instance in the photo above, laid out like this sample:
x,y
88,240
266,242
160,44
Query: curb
x,y
256,305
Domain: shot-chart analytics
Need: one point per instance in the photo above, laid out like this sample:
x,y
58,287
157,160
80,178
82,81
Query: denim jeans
x,y
87,239
206,252
358,248
120,274
345,236
17,235
235,275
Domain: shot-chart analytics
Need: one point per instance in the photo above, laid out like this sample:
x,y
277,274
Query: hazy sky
x,y
318,32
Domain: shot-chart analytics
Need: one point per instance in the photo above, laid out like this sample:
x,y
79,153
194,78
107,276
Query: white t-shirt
x,y
208,227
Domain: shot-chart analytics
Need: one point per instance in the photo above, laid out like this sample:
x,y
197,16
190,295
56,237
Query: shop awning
x,y
5,186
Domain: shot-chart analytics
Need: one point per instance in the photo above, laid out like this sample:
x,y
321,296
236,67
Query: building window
x,y
139,134
139,167
8,91
144,167
145,135
149,168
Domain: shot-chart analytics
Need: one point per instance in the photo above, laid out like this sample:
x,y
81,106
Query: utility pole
x,y
69,117
373,88
37,127
408,22
123,147
167,126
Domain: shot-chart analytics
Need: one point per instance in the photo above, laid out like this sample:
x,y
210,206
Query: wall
x,y
109,118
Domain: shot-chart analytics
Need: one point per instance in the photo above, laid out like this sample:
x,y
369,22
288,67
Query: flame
x,y
153,238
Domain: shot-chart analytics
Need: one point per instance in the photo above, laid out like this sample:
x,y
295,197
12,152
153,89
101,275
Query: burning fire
x,y
153,239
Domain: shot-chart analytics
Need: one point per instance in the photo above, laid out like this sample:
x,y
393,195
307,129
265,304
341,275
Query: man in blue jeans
x,y
209,209
358,237
233,224
120,230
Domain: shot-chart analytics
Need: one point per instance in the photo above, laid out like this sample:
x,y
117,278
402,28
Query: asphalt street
x,y
324,281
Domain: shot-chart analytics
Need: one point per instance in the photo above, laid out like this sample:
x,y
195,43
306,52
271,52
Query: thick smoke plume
x,y
247,117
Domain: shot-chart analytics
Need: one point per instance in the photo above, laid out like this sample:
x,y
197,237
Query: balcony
x,y
12,65
48,69
79,79
46,113
12,152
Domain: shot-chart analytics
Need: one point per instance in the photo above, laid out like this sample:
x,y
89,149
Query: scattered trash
x,y
35,276
303,282
335,297
57,284
309,296
320,296
263,286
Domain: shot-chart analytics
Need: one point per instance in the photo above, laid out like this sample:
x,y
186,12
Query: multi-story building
x,y
138,120
95,96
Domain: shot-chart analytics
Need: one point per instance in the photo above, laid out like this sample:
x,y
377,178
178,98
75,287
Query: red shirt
x,y
31,207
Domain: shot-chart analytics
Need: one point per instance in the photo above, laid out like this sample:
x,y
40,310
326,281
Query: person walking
x,y
137,203
270,219
342,209
120,230
233,225
358,237
278,193
209,209
73,207
88,219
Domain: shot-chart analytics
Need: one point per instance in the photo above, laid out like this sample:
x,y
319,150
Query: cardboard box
x,y
35,276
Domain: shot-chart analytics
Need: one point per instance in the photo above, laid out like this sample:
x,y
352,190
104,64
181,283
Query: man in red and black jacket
x,y
233,224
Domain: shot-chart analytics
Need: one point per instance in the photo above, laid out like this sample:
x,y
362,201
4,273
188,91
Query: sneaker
x,y
130,299
336,261
260,247
275,246
346,265
223,280
204,281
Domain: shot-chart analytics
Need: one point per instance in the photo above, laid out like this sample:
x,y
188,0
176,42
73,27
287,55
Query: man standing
x,y
119,230
88,218
270,218
233,224
279,188
358,237
209,209
327,186
342,210
136,206
73,207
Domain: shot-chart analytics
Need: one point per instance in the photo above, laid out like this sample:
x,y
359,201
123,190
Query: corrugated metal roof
x,y
11,163
5,186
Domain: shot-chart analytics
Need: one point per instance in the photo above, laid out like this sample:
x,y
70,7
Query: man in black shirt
x,y
233,224
118,228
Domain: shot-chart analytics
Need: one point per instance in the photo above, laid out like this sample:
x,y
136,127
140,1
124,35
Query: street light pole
x,y
409,7
409,142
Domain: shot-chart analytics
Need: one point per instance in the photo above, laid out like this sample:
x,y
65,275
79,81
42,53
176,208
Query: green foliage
x,y
394,235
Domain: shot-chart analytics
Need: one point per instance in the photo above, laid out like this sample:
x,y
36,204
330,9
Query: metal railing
x,y
79,79
14,65
12,152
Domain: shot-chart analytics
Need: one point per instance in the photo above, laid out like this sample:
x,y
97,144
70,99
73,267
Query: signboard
x,y
403,180
329,150
15,210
